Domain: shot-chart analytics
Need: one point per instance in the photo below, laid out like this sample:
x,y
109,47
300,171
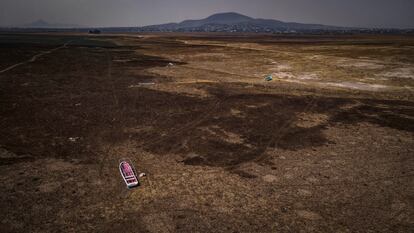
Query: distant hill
x,y
222,22
43,24
235,22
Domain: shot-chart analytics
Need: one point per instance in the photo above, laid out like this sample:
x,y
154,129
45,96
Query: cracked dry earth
x,y
222,153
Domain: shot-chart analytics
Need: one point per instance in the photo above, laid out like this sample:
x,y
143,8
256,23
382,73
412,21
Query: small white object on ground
x,y
140,84
74,139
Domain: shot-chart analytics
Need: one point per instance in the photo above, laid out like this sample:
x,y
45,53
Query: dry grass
x,y
325,147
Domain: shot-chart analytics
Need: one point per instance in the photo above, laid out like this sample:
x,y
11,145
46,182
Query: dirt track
x,y
224,151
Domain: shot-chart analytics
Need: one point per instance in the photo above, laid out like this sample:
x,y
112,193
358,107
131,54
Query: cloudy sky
x,y
359,13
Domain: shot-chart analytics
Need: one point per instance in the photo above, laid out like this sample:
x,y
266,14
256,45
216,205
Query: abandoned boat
x,y
128,174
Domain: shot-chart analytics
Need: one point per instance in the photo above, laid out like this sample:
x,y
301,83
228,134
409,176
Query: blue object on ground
x,y
269,78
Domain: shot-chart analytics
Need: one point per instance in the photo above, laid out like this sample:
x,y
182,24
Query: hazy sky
x,y
362,13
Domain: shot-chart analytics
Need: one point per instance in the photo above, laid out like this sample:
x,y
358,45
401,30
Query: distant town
x,y
220,23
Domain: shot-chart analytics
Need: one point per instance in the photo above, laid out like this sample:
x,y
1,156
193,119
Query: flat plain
x,y
326,146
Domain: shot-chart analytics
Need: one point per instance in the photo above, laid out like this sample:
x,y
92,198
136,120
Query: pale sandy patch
x,y
360,63
357,86
309,120
405,72
310,215
226,136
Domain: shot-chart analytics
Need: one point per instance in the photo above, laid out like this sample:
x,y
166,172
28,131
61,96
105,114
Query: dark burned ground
x,y
241,159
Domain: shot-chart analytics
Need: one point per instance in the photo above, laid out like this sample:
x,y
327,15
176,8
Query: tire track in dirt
x,y
35,57
195,124
109,76
192,124
281,132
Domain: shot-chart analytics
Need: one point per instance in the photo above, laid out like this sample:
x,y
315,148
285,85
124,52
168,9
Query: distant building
x,y
94,31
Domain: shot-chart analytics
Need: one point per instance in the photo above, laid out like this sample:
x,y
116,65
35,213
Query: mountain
x,y
223,18
235,22
43,24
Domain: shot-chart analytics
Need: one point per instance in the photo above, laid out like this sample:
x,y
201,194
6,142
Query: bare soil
x,y
223,150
